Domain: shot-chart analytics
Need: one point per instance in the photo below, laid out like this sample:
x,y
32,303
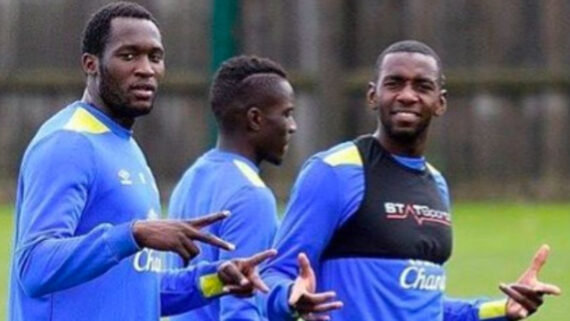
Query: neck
x,y
237,144
96,101
414,147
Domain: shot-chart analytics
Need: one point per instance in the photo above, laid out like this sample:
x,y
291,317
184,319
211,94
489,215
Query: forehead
x,y
409,65
281,92
284,89
269,86
135,32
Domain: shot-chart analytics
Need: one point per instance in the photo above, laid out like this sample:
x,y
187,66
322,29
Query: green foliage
x,y
493,243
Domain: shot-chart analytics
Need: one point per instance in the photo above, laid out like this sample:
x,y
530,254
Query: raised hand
x,y
526,295
179,235
303,299
240,276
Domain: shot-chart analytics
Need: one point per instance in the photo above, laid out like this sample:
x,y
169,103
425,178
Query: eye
x,y
425,87
391,84
128,56
288,113
156,57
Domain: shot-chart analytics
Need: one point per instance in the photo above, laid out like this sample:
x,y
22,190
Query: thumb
x,y
300,285
305,270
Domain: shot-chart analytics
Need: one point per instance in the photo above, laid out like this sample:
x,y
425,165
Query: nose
x,y
407,95
292,128
145,67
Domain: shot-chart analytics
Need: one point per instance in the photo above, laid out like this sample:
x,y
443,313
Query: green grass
x,y
496,242
493,243
5,242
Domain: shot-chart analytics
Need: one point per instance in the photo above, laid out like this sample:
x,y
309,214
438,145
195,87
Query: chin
x,y
138,110
275,160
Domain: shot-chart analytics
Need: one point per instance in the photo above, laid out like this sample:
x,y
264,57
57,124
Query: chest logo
x,y
421,213
125,177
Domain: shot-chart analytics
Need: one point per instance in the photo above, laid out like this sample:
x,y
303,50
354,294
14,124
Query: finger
x,y
319,308
315,317
305,270
206,220
309,299
209,239
550,289
191,248
239,291
231,275
516,296
258,283
316,298
537,261
181,250
259,257
528,293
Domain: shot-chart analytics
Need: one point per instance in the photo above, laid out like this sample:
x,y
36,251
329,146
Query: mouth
x,y
143,91
405,115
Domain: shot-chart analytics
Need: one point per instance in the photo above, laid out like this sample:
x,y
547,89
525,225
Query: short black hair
x,y
411,46
237,81
98,28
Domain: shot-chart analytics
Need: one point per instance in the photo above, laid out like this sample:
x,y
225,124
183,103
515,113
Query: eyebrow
x,y
140,48
416,79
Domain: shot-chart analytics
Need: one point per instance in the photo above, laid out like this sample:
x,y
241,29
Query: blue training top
x,y
82,184
328,191
221,180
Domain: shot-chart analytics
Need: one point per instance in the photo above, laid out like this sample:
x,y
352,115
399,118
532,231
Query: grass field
x,y
493,243
5,242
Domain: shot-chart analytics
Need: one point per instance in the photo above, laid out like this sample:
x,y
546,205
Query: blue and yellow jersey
x,y
327,195
82,184
217,181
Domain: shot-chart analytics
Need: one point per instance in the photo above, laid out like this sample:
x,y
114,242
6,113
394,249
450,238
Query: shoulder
x,y
331,171
341,155
340,161
248,175
74,118
440,182
436,174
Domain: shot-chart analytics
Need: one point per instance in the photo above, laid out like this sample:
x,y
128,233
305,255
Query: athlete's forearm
x,y
474,310
185,289
47,263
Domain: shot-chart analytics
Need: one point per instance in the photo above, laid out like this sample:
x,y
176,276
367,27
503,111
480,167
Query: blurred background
x,y
504,139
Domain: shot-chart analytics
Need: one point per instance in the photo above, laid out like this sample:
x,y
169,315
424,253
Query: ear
x,y
254,119
442,103
90,64
371,95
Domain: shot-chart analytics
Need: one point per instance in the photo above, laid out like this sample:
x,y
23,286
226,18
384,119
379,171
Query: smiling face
x,y
406,96
126,75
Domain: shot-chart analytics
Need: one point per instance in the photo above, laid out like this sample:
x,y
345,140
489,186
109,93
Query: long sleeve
x,y
185,289
251,227
474,310
56,179
312,216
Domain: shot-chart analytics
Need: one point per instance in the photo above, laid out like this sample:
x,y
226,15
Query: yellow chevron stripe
x,y
346,156
83,121
249,173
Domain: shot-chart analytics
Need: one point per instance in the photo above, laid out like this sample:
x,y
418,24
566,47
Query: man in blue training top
x,y
374,216
87,235
253,103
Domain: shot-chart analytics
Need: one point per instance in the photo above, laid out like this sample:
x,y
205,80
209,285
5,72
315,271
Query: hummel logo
x,y
125,177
